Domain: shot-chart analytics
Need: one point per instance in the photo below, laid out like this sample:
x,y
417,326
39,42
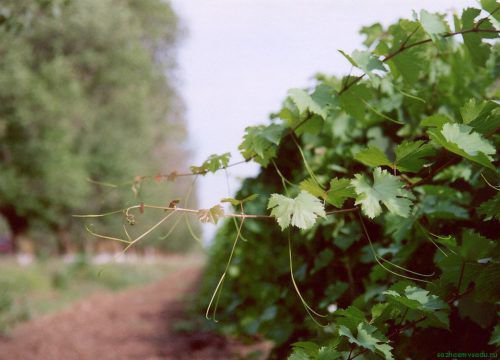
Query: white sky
x,y
240,57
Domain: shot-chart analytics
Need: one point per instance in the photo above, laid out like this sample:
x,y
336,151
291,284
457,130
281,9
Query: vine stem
x,y
196,211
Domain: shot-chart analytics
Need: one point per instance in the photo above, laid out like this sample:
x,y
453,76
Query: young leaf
x,y
410,155
261,142
369,338
305,102
461,140
372,156
471,110
432,24
213,163
415,298
491,208
478,50
300,212
367,62
211,215
311,186
387,189
340,190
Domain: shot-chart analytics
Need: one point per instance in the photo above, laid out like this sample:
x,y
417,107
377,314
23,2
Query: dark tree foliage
x,y
85,93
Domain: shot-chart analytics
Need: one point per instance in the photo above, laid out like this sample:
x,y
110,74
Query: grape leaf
x,y
368,338
478,50
365,61
353,101
311,186
491,208
461,140
350,317
409,65
328,353
213,163
432,24
306,103
387,189
474,246
419,299
301,212
299,354
211,215
495,336
372,156
410,155
471,110
261,142
340,190
436,120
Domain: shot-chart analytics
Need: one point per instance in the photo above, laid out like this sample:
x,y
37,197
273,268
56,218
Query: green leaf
x,y
436,120
350,317
372,156
467,140
345,234
487,284
261,142
471,110
410,155
481,313
491,208
301,212
353,100
299,354
365,61
368,338
213,163
340,190
305,102
415,298
490,6
474,246
461,140
212,215
372,33
454,269
324,258
328,353
409,65
478,51
495,336
311,186
387,189
433,25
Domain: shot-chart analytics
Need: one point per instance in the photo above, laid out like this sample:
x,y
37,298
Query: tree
x,y
390,252
85,93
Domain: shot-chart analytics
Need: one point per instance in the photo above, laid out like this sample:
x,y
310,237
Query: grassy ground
x,y
49,285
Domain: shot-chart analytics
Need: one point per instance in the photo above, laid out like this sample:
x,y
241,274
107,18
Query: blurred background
x,y
96,94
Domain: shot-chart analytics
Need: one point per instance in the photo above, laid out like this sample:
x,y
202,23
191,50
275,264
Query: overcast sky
x,y
239,58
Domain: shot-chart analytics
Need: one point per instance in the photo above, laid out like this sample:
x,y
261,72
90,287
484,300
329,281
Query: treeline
x,y
86,98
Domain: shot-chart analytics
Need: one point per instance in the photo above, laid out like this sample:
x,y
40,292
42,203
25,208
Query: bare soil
x,y
137,323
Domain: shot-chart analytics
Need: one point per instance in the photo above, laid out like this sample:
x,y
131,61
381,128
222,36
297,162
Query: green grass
x,y
47,286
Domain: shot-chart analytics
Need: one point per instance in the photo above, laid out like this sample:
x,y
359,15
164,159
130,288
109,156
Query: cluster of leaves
x,y
84,94
392,221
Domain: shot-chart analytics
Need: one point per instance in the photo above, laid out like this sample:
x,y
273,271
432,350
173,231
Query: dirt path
x,y
133,324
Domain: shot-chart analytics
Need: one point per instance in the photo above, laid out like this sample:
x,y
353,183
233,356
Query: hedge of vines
x,y
383,201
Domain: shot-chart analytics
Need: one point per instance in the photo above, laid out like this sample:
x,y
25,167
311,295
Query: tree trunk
x,y
18,225
63,239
